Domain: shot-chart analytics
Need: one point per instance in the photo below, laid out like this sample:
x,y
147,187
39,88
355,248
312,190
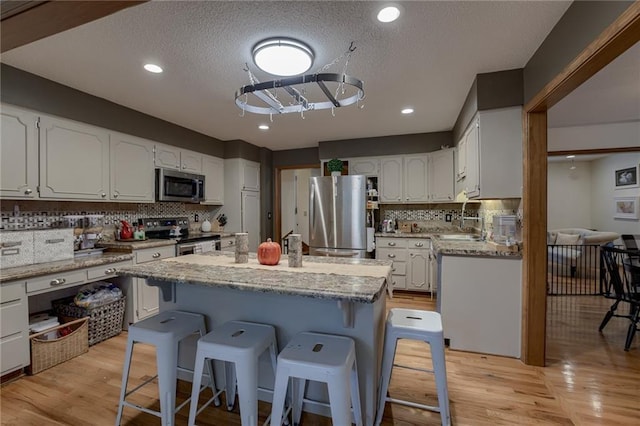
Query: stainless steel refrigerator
x,y
337,216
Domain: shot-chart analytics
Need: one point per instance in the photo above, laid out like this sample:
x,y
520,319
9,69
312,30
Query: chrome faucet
x,y
479,218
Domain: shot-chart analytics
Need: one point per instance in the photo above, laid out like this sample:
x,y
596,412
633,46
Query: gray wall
x,y
266,193
30,91
385,145
491,90
582,23
296,157
240,149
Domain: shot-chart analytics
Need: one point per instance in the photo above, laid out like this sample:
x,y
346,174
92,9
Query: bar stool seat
x,y
239,344
419,325
164,331
324,358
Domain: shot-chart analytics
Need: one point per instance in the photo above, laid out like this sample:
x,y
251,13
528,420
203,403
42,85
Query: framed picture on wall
x,y
626,208
627,178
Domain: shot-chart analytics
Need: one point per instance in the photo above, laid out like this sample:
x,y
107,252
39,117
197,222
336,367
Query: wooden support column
x,y
534,237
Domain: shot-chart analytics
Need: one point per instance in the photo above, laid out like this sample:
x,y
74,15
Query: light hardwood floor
x,y
589,380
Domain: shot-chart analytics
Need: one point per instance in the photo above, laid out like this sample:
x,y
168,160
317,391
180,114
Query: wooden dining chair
x,y
623,268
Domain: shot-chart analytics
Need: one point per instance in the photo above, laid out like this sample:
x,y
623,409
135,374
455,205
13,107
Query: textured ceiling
x,y
427,60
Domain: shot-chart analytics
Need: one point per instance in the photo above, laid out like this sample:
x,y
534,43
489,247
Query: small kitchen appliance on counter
x,y
504,229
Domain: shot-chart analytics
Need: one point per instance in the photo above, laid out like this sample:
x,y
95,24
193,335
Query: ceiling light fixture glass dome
x,y
388,14
283,56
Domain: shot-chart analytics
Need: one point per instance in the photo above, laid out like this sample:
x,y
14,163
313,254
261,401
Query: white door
x,y
213,171
74,160
250,175
18,154
418,270
391,180
472,180
167,157
148,299
415,178
364,166
131,169
250,208
191,161
441,175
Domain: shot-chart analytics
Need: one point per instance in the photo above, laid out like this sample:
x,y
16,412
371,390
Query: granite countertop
x,y
471,248
128,246
457,248
296,281
29,271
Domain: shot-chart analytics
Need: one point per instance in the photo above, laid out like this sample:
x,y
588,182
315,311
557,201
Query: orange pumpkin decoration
x,y
269,253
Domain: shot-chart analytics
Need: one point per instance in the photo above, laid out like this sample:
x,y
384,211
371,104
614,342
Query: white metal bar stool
x,y
164,331
239,344
324,358
425,326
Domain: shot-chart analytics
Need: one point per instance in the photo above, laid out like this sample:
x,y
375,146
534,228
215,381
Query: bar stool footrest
x,y
413,404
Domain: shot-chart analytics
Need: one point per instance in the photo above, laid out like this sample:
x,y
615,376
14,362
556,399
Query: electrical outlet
x,y
447,217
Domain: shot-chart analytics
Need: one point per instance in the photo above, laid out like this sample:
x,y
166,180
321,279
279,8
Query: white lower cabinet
x,y
412,261
394,249
14,323
143,300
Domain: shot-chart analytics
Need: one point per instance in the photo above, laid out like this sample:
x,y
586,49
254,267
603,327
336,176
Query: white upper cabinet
x,y
250,175
213,171
494,154
18,154
461,169
403,179
171,157
364,166
415,178
74,160
390,183
131,169
441,185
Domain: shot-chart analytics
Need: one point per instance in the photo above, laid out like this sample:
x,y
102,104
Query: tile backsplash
x,y
438,212
20,215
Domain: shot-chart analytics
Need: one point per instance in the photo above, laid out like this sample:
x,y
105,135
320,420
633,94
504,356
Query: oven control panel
x,y
165,224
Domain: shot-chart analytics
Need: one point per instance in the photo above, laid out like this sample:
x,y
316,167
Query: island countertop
x,y
353,280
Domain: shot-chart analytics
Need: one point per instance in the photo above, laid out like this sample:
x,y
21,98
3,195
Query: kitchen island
x,y
327,295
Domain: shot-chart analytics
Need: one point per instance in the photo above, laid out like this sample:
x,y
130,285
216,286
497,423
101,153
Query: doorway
x,y
292,200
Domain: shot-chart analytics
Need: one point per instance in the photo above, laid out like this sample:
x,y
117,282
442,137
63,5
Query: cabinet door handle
x,y
104,194
57,281
115,194
110,271
230,243
391,244
28,191
393,269
412,255
392,256
155,255
419,245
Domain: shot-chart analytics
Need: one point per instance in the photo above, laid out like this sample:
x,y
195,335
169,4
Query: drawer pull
x,y
11,244
419,244
391,244
155,255
412,255
392,256
28,191
230,243
110,271
57,281
393,269
54,241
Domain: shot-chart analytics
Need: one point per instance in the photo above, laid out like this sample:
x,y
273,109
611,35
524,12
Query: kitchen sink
x,y
459,237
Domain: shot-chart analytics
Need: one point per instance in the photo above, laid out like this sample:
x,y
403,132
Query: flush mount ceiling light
x,y
153,68
283,57
294,94
407,111
388,14
263,127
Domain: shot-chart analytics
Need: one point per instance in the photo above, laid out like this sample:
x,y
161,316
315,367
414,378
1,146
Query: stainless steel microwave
x,y
173,185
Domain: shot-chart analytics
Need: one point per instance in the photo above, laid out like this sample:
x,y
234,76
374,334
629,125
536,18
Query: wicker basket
x,y
105,321
47,353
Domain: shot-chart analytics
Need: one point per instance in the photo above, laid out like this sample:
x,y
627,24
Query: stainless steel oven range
x,y
178,229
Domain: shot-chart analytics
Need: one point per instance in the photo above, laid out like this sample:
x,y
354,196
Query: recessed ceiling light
x,y
571,156
283,57
153,68
388,14
263,127
407,111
